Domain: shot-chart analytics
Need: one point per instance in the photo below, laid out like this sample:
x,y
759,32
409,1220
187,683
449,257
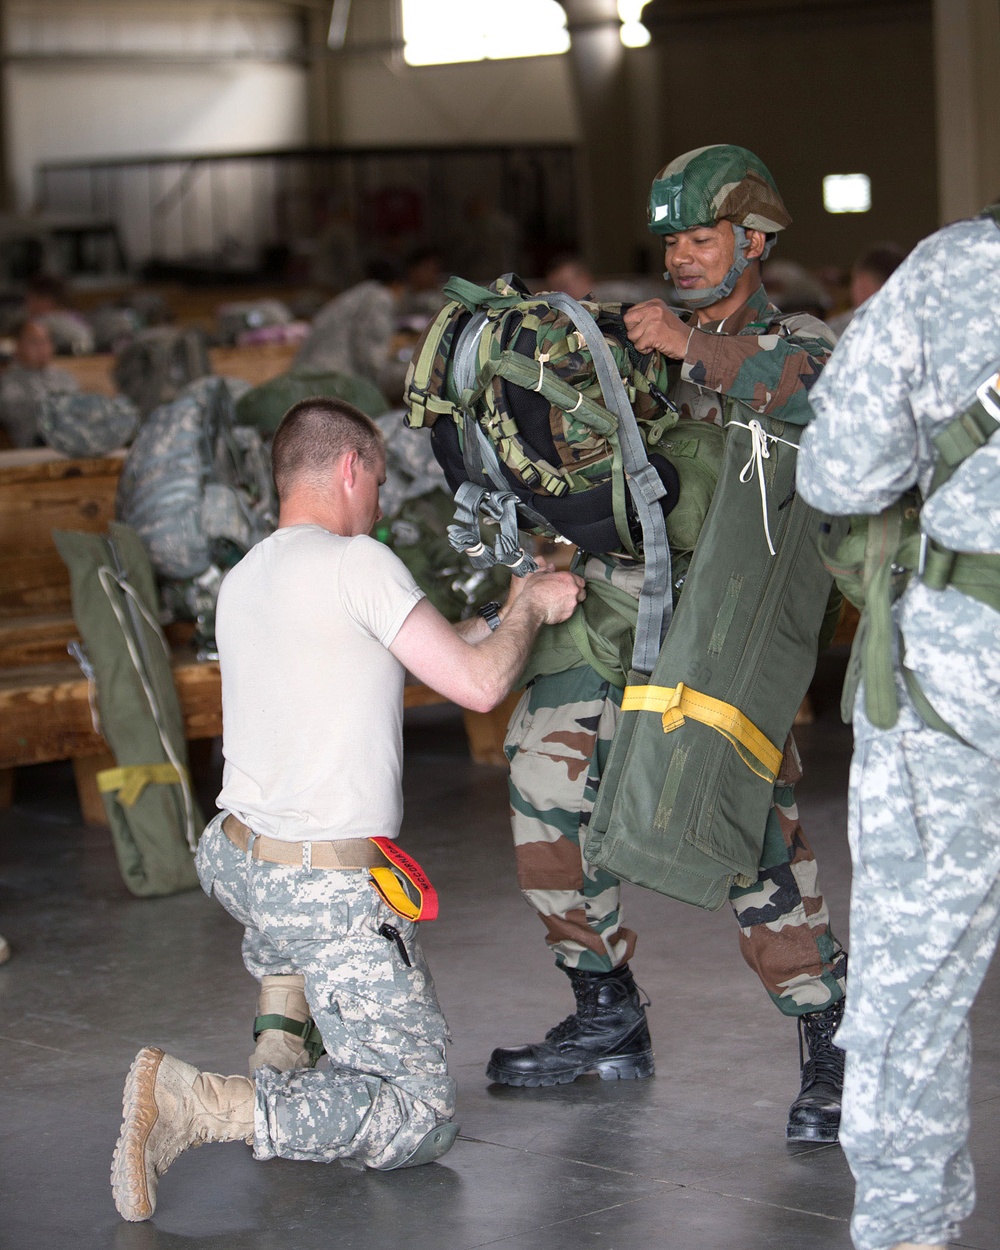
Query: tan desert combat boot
x,y
168,1107
283,1022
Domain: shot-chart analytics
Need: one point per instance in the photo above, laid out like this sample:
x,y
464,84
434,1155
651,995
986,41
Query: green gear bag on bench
x,y
154,819
265,405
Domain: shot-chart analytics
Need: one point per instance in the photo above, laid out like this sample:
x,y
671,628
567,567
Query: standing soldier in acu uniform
x,y
718,212
912,401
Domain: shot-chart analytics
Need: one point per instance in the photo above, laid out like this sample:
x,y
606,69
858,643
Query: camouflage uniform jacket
x,y
21,393
763,358
906,366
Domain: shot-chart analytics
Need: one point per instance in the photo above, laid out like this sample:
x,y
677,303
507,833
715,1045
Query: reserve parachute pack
x,y
541,412
700,744
545,418
934,539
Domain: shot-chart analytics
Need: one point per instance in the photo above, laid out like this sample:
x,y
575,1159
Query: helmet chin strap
x,y
705,297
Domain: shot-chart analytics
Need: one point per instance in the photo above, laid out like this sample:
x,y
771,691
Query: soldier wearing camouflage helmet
x,y
718,211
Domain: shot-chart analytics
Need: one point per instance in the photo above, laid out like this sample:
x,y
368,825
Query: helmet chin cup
x,y
705,297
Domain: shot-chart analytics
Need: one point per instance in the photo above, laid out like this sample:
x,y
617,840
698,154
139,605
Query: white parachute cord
x,y
106,575
759,452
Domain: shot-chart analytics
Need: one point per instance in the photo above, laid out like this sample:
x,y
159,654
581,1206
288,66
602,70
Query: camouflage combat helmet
x,y
721,182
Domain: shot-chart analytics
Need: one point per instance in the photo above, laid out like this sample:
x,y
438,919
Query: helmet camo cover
x,y
710,184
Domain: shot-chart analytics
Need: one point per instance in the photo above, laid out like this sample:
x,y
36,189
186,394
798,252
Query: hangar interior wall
x,y
834,88
100,79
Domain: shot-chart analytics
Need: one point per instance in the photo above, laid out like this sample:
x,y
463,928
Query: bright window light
x,y
631,10
847,193
443,32
633,34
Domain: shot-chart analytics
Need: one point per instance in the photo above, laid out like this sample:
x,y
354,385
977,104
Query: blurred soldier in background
x,y
869,273
26,381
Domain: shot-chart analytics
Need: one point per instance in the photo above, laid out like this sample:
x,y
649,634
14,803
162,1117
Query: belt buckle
x,y
988,395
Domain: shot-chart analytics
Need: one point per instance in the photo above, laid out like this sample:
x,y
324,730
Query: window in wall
x,y
847,193
441,32
633,34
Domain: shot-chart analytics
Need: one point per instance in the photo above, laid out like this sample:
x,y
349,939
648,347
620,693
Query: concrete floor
x,y
694,1159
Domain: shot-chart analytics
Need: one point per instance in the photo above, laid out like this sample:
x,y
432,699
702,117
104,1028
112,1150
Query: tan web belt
x,y
343,853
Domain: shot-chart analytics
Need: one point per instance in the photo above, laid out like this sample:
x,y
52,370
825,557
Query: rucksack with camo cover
x,y
197,489
545,418
80,424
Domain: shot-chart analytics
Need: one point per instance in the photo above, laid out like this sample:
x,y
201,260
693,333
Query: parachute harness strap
x,y
759,452
500,508
645,487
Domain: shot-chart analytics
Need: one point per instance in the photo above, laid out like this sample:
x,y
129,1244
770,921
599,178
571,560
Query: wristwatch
x,y
490,612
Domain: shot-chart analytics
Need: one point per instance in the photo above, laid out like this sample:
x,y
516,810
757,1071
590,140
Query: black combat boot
x,y
815,1114
607,1034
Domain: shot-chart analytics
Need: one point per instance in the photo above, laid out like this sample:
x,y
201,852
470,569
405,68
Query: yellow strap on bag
x,y
676,703
133,779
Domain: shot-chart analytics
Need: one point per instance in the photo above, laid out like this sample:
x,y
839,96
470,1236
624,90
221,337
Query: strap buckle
x,y
988,395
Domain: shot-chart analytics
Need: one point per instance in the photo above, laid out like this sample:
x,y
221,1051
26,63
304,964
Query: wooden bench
x,y
45,715
256,364
44,706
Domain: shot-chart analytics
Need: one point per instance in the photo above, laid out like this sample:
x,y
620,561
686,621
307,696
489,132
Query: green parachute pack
x,y
542,414
265,405
698,750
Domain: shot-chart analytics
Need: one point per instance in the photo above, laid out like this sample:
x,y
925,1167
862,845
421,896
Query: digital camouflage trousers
x,y
557,744
385,1084
924,826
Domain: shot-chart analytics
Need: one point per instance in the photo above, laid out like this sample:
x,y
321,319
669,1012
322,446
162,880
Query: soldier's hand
x,y
554,595
653,327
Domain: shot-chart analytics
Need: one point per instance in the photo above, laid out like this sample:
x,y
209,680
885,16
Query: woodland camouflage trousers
x,y
557,744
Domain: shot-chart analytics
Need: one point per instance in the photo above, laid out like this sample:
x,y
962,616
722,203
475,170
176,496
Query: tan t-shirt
x,y
312,699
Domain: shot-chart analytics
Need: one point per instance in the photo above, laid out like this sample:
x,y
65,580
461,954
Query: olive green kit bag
x,y
152,812
689,781
263,406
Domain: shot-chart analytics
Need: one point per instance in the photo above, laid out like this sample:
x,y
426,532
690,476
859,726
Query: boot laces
x,y
563,1029
587,1007
825,1064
